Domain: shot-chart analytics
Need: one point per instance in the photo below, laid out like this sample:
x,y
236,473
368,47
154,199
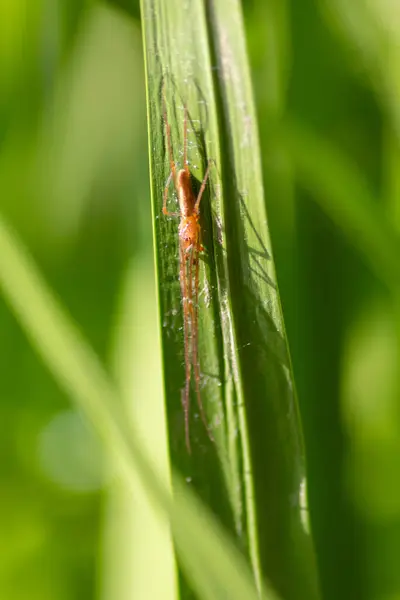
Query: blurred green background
x,y
74,184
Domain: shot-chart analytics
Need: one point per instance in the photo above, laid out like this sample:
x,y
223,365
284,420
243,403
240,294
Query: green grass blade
x,y
344,194
256,471
215,567
137,534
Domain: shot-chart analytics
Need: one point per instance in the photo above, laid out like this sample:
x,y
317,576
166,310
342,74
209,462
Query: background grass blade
x,y
346,197
251,480
137,534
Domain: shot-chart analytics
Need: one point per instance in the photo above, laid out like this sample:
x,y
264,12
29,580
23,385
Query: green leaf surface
x,y
253,476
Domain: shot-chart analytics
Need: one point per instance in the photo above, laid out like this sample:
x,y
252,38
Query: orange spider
x,y
189,250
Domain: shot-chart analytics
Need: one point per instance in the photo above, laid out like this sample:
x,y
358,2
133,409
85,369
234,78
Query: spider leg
x,y
194,336
202,188
185,292
185,128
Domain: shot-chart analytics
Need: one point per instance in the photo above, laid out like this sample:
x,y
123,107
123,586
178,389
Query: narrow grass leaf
x,y
344,194
252,478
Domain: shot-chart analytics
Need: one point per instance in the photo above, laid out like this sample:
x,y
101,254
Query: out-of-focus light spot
x,y
70,453
303,502
370,410
387,15
89,135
